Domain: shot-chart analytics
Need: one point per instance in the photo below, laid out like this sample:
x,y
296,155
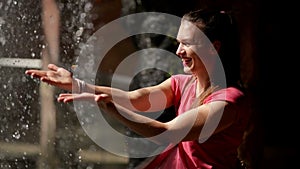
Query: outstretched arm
x,y
149,99
195,124
188,126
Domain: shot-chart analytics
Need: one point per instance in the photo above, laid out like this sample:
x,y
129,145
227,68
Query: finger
x,y
36,73
28,72
102,97
98,98
68,99
49,80
65,99
84,97
52,67
60,99
45,79
66,94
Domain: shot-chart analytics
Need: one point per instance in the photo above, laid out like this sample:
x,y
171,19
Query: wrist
x,y
79,86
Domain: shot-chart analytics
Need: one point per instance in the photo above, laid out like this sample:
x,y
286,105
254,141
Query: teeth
x,y
186,60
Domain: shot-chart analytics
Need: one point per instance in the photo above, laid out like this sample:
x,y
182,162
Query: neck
x,y
203,83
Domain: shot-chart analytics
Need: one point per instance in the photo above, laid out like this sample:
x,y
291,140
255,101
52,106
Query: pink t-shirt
x,y
218,151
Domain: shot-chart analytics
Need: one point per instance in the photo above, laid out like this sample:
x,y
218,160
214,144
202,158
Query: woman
x,y
211,114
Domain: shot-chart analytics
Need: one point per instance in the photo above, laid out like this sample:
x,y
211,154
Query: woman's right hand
x,y
56,76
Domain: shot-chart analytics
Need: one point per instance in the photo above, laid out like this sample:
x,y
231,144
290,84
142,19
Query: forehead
x,y
189,32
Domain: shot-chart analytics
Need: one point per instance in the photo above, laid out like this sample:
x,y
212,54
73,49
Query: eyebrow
x,y
183,40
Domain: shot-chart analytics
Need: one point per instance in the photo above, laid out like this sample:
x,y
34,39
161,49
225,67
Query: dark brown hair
x,y
220,26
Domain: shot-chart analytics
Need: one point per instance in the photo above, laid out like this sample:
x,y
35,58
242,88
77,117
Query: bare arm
x,y
148,99
198,123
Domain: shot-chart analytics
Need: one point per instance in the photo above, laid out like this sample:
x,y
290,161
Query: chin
x,y
187,70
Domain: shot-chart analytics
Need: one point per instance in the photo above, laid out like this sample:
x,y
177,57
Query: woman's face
x,y
192,47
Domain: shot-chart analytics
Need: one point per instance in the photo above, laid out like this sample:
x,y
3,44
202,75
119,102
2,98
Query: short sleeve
x,y
178,84
230,94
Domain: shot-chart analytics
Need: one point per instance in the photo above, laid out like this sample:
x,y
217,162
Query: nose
x,y
180,50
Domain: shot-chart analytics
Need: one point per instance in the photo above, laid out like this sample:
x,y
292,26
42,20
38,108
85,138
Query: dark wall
x,y
268,62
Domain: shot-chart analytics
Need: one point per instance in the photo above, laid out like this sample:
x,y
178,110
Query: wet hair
x,y
221,26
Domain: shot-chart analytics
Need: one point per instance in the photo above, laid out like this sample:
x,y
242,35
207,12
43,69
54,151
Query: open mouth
x,y
186,61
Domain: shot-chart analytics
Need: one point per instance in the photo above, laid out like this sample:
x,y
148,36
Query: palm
x,y
56,76
61,76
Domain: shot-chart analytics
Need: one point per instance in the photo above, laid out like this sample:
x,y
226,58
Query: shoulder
x,y
230,94
180,81
181,78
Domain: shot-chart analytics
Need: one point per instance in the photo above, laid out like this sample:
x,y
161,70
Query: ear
x,y
217,46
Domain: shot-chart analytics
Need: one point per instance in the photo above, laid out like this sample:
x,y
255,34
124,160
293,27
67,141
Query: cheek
x,y
200,56
198,62
191,52
194,55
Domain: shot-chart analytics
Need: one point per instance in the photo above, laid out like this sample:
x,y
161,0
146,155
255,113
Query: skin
x,y
115,102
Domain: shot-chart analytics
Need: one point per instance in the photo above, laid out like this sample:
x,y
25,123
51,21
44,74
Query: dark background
x,y
268,60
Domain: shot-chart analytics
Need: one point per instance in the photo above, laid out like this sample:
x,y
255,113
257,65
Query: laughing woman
x,y
211,111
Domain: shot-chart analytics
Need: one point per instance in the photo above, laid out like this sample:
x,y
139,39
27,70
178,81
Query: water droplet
x,y
79,32
25,126
16,135
88,7
89,167
2,40
79,159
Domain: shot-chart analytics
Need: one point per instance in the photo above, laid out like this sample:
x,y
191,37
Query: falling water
x,y
22,42
20,37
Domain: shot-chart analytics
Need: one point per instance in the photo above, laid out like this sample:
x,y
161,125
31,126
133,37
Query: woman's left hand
x,y
70,97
